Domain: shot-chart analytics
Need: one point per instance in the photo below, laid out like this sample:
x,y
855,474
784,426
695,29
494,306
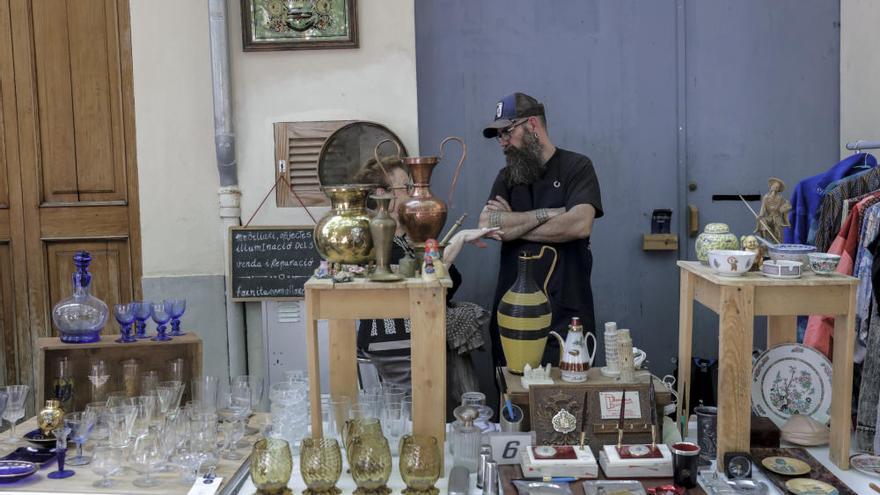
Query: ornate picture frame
x,y
268,25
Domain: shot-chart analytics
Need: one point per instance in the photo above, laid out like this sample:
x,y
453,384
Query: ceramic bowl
x,y
730,263
823,263
791,252
782,268
11,471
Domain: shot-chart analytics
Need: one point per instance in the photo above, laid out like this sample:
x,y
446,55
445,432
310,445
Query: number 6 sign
x,y
507,446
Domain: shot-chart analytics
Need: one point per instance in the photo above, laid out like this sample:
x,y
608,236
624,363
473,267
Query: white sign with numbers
x,y
507,445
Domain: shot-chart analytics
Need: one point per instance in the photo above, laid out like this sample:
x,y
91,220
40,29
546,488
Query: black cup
x,y
685,457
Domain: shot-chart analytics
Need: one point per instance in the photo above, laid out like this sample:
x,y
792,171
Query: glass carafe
x,y
80,317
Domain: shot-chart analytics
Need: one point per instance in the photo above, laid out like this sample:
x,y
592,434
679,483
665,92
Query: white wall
x,y
859,71
174,119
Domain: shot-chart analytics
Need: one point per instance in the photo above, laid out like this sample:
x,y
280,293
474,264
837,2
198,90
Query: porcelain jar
x,y
715,236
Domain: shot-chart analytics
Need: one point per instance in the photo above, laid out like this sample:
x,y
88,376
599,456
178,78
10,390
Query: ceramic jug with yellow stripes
x,y
524,315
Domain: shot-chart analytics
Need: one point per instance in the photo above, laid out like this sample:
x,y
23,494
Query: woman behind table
x,y
387,342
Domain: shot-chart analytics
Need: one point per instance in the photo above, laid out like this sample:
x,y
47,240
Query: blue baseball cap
x,y
511,107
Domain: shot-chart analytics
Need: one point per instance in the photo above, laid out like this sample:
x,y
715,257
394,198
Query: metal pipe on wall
x,y
230,194
862,145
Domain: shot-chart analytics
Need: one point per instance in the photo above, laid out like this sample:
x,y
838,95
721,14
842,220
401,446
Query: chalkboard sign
x,y
271,262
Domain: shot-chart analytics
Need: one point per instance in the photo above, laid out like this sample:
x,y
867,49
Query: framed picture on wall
x,y
298,24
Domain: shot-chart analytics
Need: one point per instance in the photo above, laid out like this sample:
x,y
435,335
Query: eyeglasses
x,y
505,133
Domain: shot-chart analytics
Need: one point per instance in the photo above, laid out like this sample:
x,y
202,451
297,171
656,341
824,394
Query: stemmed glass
x,y
4,400
237,402
146,454
124,314
80,424
169,395
99,377
161,317
176,307
16,397
142,312
61,452
105,462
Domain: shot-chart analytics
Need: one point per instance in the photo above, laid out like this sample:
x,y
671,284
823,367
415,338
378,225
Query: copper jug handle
x,y
457,168
552,265
379,160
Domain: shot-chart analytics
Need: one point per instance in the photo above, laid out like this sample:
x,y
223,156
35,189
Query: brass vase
x,y
320,465
524,316
419,464
423,214
343,234
270,466
370,462
50,417
382,228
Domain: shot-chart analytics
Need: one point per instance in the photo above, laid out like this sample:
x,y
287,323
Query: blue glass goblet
x,y
61,453
124,314
175,307
161,316
142,311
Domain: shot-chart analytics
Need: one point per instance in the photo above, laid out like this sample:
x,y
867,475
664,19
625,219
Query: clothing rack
x,y
862,145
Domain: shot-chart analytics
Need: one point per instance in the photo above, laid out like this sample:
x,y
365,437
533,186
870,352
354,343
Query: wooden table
x,y
234,473
424,303
737,300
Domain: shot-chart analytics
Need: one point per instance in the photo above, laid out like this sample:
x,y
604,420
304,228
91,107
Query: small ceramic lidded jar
x,y
715,236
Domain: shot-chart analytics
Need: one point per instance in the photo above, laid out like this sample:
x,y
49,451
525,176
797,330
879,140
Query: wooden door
x,y
77,180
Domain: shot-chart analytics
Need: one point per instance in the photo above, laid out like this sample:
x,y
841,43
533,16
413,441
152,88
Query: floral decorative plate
x,y
789,466
866,463
807,486
790,379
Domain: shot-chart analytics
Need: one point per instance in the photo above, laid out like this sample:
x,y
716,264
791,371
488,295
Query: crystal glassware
x,y
466,438
370,463
271,464
105,462
320,464
149,381
204,391
419,464
61,453
124,314
130,374
99,378
4,401
16,397
175,368
63,384
169,394
142,312
100,431
357,427
80,424
146,454
161,317
80,317
176,307
393,424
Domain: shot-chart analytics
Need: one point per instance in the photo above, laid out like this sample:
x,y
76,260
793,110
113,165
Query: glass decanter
x,y
80,317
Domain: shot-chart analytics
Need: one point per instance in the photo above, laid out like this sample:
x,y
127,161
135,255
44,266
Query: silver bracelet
x,y
542,215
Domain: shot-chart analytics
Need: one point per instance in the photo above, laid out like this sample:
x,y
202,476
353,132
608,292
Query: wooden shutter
x,y
298,145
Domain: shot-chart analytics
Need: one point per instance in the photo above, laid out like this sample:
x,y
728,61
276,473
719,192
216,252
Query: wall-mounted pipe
x,y
863,145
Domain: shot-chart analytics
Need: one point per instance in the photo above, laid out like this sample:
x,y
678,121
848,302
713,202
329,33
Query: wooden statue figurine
x,y
774,212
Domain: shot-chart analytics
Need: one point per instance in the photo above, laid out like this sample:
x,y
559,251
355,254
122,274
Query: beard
x,y
524,166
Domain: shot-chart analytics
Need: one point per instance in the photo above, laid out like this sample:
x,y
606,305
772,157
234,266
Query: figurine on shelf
x,y
432,249
751,243
428,272
323,270
774,212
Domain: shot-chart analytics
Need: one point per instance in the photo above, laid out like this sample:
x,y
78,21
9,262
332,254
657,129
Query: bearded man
x,y
544,196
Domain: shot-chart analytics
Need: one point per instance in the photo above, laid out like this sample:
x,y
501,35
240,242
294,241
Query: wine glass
x,y
142,312
124,314
169,395
4,400
16,397
80,424
99,377
61,452
146,454
176,307
105,462
161,317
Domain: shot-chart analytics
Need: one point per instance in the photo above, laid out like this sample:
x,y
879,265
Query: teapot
x,y
574,357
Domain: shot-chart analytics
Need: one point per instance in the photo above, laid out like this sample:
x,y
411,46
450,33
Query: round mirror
x,y
349,148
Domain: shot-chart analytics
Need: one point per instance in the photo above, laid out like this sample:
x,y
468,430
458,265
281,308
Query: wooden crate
x,y
152,356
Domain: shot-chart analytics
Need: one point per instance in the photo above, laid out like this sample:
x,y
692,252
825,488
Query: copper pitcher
x,y
423,215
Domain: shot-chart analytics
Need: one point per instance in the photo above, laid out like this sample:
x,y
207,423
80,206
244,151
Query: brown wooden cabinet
x,y
68,175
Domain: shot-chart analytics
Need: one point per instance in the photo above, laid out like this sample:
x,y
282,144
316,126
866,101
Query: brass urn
x,y
343,234
50,417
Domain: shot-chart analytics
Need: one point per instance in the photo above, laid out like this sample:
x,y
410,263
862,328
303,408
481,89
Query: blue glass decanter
x,y
80,317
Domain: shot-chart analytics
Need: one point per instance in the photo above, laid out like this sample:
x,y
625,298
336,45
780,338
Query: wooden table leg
x,y
736,330
685,343
428,318
343,356
841,384
311,302
781,330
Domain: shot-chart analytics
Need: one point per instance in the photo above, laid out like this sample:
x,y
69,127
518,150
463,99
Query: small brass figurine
x,y
774,212
751,243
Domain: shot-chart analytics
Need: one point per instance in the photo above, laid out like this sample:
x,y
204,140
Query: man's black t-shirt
x,y
568,180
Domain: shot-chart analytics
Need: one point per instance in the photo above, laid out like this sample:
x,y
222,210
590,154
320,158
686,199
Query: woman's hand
x,y
473,236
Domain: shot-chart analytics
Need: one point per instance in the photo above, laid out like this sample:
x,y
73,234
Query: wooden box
x,y
151,355
764,432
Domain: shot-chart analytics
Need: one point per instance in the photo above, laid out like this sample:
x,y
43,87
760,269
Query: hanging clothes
x,y
863,270
820,328
807,194
832,204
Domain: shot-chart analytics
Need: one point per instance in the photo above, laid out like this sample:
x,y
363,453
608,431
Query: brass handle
x,y
693,220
